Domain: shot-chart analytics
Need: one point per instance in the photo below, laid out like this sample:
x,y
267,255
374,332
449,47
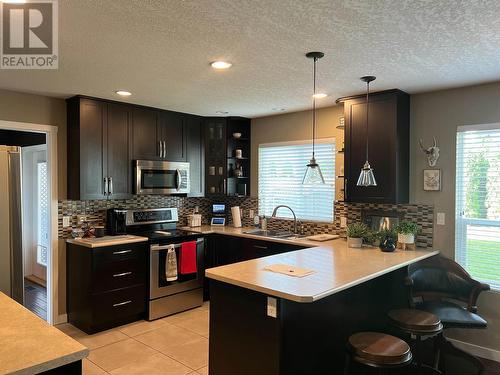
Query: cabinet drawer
x,y
118,253
111,306
117,275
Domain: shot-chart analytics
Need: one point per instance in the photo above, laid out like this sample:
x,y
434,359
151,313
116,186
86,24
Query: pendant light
x,y
313,173
366,177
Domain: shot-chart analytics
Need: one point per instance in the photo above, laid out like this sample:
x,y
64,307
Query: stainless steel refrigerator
x,y
11,249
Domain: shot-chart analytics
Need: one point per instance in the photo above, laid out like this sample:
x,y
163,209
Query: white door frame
x,y
53,254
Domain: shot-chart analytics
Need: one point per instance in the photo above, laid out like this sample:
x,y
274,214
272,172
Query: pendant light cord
x,y
367,109
314,103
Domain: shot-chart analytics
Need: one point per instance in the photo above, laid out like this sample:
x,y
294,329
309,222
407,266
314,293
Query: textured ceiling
x,y
161,49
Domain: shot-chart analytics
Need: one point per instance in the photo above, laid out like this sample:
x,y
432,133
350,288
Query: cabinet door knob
x,y
161,148
164,149
122,303
110,185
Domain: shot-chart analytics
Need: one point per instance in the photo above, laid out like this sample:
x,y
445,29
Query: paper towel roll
x,y
235,211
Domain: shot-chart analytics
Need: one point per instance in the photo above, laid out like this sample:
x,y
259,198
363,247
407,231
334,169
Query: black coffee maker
x,y
116,221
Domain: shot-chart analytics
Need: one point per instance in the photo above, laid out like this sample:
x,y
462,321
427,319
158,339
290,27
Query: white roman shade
x,y
281,169
477,221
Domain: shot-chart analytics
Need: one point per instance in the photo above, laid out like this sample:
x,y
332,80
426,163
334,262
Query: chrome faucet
x,y
293,213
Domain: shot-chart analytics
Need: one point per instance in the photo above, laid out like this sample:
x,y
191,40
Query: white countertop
x,y
336,267
107,240
29,345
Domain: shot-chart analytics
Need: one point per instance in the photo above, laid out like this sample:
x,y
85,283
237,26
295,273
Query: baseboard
x,y
63,318
478,351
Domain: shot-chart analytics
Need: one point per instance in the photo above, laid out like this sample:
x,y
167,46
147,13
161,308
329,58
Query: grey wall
x,y
438,114
37,109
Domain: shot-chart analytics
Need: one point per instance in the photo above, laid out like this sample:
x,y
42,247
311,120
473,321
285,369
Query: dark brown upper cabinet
x,y
171,136
195,153
388,140
99,149
227,172
145,144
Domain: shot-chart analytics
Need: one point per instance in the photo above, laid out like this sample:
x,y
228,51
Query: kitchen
x,y
147,167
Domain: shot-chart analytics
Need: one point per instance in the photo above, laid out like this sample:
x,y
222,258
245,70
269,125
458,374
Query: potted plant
x,y
355,234
406,232
387,239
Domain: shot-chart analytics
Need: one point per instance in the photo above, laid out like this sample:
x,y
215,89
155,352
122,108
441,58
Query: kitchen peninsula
x,y
269,323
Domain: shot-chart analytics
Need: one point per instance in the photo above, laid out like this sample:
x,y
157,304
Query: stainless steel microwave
x,y
161,177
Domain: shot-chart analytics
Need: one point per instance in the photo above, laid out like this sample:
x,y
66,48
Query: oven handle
x,y
176,246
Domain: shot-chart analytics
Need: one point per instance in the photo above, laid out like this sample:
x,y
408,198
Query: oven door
x,y
158,284
161,177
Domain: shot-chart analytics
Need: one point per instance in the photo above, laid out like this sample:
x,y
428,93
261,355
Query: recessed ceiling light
x,y
123,93
320,96
221,64
222,112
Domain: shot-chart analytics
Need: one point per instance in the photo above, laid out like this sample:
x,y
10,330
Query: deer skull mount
x,y
431,152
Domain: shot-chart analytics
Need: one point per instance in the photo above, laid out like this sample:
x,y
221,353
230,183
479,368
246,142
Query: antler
x,y
422,145
435,142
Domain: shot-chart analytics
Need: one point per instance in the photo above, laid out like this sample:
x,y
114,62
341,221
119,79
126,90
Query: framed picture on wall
x,y
432,179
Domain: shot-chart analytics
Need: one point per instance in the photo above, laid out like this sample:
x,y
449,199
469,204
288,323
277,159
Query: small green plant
x,y
407,227
387,233
357,230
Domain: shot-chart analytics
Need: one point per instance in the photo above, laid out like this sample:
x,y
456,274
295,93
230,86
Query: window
x,y
281,169
477,218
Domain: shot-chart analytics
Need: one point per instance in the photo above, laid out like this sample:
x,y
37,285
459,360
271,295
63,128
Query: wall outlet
x,y
343,222
272,307
66,221
80,219
440,218
251,214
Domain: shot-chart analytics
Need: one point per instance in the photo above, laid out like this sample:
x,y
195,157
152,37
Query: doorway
x,y
35,227
28,192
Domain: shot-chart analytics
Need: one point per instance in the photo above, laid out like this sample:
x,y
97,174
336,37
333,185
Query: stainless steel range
x,y
166,255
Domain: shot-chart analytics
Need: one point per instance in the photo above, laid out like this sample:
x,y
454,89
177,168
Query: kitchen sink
x,y
284,234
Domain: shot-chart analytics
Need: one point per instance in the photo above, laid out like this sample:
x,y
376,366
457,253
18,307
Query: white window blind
x,y
477,221
281,169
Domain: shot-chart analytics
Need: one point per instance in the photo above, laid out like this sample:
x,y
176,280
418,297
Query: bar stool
x,y
418,323
377,350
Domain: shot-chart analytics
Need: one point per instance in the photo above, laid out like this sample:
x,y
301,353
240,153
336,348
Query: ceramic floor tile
x,y
120,354
89,368
142,326
100,339
167,336
190,314
199,325
193,354
69,329
157,364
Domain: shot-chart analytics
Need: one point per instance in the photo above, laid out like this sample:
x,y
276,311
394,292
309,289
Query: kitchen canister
x,y
236,213
194,220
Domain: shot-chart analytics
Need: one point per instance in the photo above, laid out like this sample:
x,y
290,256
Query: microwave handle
x,y
178,179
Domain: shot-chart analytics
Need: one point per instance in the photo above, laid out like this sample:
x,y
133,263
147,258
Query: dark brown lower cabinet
x,y
106,286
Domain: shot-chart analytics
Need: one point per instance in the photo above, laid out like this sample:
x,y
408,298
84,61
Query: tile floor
x,y
175,345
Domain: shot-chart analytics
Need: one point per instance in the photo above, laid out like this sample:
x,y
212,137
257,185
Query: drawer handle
x,y
122,274
121,252
122,303
260,247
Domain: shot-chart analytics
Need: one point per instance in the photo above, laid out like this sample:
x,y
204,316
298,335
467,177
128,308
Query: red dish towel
x,y
187,258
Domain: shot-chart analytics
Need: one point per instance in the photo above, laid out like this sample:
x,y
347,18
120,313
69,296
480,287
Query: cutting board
x,y
323,237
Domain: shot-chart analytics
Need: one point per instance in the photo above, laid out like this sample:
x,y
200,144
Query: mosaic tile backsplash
x,y
95,210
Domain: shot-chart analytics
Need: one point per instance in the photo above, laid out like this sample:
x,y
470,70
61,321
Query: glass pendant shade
x,y
313,174
366,177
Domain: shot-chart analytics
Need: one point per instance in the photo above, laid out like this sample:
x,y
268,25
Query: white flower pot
x,y
406,238
354,242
